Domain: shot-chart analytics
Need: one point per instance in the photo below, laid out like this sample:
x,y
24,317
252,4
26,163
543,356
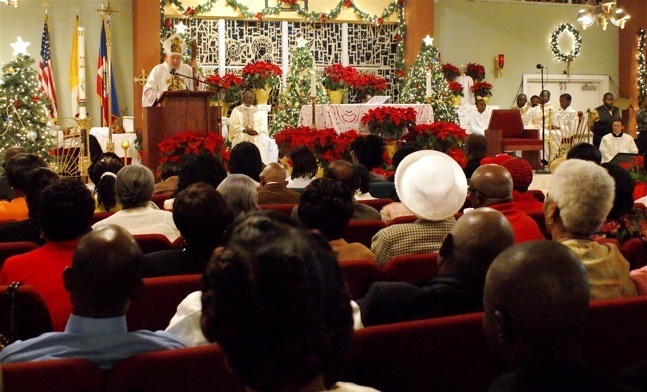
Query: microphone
x,y
539,66
172,71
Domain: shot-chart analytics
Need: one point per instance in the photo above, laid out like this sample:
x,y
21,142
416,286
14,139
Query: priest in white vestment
x,y
246,124
617,142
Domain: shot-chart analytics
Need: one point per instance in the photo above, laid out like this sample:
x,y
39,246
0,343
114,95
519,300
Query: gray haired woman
x,y
240,191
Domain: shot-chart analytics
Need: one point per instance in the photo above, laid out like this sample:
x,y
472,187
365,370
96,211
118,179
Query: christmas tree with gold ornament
x,y
297,90
23,109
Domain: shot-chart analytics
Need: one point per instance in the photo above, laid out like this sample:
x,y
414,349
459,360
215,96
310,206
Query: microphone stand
x,y
543,130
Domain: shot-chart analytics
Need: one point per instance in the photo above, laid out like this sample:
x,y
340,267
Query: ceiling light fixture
x,y
604,12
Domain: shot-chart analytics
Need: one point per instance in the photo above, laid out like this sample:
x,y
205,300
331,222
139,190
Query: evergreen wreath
x,y
554,42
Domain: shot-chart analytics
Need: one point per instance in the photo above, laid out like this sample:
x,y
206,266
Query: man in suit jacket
x,y
607,114
274,188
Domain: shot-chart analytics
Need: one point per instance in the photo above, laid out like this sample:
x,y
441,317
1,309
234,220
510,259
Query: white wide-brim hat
x,y
431,185
174,44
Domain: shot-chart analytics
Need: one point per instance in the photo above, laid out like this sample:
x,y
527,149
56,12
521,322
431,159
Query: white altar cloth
x,y
101,133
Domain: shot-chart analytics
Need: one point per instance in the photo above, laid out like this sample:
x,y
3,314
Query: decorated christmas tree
x,y
23,110
414,90
297,90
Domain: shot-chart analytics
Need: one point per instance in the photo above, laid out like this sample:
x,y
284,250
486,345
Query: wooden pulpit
x,y
177,111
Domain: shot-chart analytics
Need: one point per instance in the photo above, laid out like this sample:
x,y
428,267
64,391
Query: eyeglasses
x,y
472,190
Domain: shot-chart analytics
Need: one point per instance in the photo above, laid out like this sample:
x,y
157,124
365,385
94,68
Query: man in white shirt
x,y
170,75
543,111
524,107
617,142
480,119
563,123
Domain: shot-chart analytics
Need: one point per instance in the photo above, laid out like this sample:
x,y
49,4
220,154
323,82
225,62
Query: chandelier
x,y
604,12
10,2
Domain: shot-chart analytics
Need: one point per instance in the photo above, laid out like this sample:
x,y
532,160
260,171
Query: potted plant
x,y
336,80
262,76
441,136
227,88
457,92
450,71
482,90
178,147
476,71
368,84
326,144
389,122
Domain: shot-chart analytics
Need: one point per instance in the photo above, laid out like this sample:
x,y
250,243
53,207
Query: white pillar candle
x,y
313,83
80,35
428,85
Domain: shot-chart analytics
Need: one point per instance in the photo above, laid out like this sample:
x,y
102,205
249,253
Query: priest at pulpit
x,y
171,75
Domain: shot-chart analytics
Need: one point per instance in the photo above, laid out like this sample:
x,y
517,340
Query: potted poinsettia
x,y
457,92
228,89
177,148
389,122
262,76
367,84
482,89
441,136
325,143
450,71
337,79
476,71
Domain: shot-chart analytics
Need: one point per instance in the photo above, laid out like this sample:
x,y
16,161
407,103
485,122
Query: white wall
x,y
468,31
27,21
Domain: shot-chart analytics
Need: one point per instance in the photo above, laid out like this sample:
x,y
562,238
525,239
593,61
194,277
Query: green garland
x,y
554,42
396,6
642,69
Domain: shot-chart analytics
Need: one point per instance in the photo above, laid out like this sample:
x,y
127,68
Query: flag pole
x,y
106,16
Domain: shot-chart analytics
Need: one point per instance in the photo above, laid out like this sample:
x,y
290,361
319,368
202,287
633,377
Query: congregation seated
x,y
343,171
204,167
202,215
29,229
100,289
491,186
432,186
169,179
274,188
536,302
327,205
290,334
369,151
521,173
139,215
624,221
304,167
578,202
65,210
475,149
6,191
463,260
240,192
103,174
363,193
17,169
245,158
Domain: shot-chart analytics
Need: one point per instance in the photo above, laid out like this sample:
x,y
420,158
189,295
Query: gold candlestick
x,y
125,145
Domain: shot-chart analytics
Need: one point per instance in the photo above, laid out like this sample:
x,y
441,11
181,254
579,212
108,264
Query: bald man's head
x,y
536,301
273,172
474,241
490,184
342,171
106,273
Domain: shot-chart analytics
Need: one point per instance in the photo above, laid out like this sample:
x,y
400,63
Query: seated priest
x,y
171,75
247,124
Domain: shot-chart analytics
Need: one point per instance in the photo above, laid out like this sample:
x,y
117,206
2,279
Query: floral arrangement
x,y
441,136
326,144
456,89
368,84
482,89
261,74
450,71
389,121
231,85
636,169
338,77
476,71
178,147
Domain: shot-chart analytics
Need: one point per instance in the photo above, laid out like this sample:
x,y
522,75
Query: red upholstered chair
x,y
98,216
411,268
359,275
537,194
376,203
615,335
152,242
30,315
442,354
634,251
160,198
60,375
506,133
161,296
362,231
285,209
193,369
8,249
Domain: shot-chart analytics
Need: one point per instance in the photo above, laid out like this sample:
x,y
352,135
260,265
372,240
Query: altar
x,y
345,117
101,133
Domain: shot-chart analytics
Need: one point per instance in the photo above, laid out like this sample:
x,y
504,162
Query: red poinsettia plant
x,y
176,148
326,144
456,88
450,71
389,121
476,71
261,74
368,84
441,136
636,169
338,77
482,89
230,84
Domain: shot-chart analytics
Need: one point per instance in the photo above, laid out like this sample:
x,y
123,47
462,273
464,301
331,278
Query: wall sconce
x,y
499,64
10,2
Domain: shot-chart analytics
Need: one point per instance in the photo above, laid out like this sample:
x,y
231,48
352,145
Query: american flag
x,y
45,73
102,76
